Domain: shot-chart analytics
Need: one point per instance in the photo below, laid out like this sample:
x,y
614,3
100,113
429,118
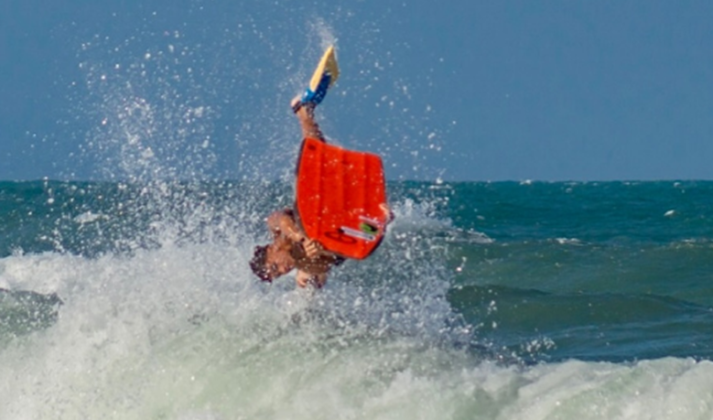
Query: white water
x,y
183,333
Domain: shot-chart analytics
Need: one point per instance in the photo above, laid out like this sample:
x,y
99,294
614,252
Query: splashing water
x,y
161,317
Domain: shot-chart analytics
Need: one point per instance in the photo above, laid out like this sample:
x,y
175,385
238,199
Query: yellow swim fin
x,y
324,76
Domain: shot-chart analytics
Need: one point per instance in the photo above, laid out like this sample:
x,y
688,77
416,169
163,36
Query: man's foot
x,y
296,104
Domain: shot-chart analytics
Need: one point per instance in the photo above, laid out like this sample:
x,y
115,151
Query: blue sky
x,y
512,90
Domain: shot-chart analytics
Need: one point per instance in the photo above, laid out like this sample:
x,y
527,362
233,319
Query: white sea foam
x,y
568,241
421,216
184,333
88,217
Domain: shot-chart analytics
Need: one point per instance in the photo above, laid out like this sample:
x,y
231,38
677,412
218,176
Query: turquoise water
x,y
486,301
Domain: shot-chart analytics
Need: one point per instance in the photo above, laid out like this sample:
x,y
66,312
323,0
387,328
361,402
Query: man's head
x,y
258,263
269,263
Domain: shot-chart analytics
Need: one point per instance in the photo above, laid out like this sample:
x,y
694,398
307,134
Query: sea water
x,y
485,301
132,298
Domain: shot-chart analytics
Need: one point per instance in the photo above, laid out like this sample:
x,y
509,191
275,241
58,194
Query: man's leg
x,y
305,113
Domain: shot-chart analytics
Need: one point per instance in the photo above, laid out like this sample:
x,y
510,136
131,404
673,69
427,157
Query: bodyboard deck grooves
x,y
340,198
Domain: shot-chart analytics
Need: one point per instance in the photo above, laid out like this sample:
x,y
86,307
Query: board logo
x,y
368,228
357,234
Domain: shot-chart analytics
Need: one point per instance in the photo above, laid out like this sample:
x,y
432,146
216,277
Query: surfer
x,y
290,247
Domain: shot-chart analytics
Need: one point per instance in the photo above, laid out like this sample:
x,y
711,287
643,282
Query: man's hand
x,y
313,249
315,280
387,212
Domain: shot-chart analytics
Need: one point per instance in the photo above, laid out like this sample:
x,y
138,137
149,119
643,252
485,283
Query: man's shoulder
x,y
286,212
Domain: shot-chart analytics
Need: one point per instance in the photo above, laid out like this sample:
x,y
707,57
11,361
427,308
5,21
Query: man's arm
x,y
305,114
281,223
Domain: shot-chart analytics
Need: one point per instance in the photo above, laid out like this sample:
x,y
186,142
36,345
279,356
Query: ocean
x,y
487,300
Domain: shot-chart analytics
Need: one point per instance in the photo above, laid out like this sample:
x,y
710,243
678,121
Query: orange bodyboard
x,y
340,198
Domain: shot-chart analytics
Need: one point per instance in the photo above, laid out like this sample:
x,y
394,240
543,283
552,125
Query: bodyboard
x,y
341,198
